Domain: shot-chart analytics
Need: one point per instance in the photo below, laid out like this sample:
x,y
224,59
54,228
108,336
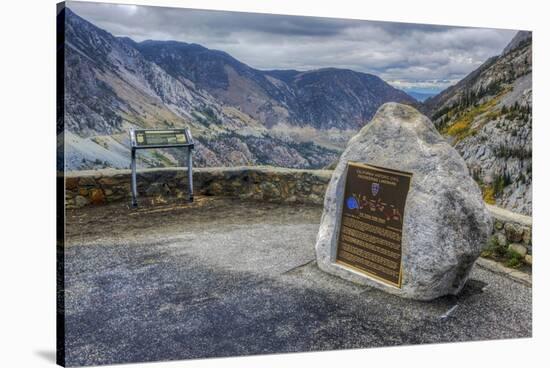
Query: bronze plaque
x,y
372,221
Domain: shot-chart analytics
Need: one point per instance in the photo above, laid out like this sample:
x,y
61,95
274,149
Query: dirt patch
x,y
169,216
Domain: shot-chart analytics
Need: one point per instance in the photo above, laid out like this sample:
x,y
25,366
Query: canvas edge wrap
x,y
60,184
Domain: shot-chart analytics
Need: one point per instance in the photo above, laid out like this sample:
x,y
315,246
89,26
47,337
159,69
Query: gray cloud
x,y
407,55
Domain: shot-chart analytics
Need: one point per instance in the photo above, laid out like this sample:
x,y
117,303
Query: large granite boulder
x,y
446,222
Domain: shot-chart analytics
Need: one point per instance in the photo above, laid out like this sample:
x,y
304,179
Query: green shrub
x,y
499,183
515,259
494,249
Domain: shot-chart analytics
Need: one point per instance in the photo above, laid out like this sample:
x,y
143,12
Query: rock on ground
x,y
446,223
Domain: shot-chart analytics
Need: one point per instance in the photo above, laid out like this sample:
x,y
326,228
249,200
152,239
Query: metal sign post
x,y
167,138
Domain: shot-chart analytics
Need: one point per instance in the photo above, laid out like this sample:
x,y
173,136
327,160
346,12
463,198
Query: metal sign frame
x,y
189,144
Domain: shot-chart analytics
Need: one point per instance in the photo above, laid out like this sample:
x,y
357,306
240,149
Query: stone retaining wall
x,y
259,183
513,231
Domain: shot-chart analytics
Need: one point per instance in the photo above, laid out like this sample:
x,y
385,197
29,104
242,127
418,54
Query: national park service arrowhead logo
x,y
375,188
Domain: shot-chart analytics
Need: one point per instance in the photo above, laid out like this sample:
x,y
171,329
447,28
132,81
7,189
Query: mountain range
x,y
240,115
324,98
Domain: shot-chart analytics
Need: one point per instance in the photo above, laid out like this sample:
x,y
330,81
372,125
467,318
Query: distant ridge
x,y
420,96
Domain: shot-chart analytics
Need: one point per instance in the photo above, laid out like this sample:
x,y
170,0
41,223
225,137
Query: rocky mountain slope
x,y
487,116
110,86
239,115
324,98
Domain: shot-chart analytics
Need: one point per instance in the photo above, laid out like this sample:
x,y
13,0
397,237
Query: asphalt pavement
x,y
223,277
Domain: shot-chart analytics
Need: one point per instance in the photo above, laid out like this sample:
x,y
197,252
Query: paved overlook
x,y
223,277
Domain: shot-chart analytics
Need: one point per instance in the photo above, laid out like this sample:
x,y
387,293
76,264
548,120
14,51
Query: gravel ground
x,y
223,277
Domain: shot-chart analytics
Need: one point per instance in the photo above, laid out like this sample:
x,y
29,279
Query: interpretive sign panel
x,y
160,138
372,221
167,138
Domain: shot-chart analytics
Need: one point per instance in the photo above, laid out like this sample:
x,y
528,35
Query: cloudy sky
x,y
409,56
